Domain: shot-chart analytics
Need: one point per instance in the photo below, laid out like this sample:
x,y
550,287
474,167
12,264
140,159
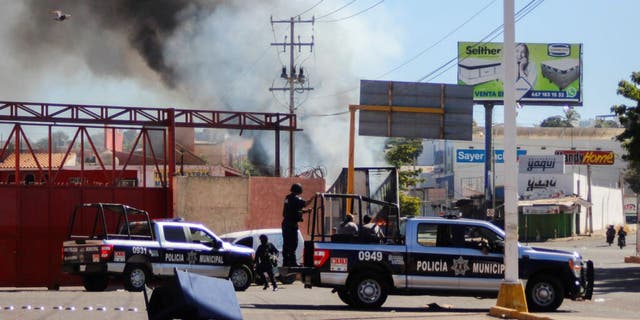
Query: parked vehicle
x,y
250,239
108,240
434,256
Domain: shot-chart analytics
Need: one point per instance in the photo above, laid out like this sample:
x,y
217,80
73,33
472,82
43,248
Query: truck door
x,y
208,254
484,251
431,257
174,252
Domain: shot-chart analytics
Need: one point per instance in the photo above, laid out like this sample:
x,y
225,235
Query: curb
x,y
506,313
632,259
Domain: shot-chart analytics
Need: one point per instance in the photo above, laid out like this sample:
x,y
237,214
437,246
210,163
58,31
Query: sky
x,y
217,55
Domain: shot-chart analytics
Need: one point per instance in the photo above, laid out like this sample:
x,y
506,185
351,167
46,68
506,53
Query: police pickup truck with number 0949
x,y
109,240
447,256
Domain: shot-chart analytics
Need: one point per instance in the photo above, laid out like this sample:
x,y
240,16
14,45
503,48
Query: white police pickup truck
x,y
108,240
431,256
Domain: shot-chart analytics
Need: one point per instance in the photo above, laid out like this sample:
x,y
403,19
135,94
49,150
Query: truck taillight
x,y
106,251
320,256
575,266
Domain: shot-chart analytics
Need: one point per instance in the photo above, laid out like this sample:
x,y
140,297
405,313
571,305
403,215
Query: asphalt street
x,y
616,296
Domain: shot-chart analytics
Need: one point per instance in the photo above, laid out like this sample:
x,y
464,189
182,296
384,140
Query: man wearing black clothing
x,y
292,214
266,260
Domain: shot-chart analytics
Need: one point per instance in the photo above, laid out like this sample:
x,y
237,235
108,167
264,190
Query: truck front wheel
x,y
368,291
95,282
544,294
135,277
240,277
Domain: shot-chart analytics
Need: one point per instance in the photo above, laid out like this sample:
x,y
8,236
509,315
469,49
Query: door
x,y
484,251
431,263
208,254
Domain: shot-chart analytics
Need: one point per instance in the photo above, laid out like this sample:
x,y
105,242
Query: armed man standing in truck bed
x,y
292,214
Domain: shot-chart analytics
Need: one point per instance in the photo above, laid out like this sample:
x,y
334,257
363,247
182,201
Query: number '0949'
x,y
370,255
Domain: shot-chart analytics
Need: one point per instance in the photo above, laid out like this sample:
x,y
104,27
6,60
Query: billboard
x,y
415,110
547,73
587,157
477,155
541,164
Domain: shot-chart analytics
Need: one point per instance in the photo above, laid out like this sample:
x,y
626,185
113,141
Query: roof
x,y
564,201
244,233
27,160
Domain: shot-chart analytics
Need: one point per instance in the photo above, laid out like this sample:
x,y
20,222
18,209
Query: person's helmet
x,y
296,188
263,238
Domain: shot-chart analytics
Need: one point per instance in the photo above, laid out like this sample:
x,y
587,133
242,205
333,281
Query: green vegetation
x,y
629,117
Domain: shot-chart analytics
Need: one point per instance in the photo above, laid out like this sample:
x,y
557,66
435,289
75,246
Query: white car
x,y
251,239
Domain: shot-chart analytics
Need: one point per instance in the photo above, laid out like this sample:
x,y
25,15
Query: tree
x,y
600,123
402,152
554,122
629,117
568,120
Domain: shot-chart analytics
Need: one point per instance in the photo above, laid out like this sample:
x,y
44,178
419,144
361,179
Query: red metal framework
x,y
119,115
35,212
115,116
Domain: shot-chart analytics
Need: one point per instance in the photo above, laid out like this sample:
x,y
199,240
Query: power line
x,y
303,12
334,11
439,41
355,14
524,11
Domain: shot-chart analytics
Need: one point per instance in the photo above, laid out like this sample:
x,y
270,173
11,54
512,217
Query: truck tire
x,y
135,277
95,282
240,277
344,296
368,291
544,293
288,278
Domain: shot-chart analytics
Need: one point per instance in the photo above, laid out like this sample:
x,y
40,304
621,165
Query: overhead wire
x,y
439,40
336,10
355,14
524,11
420,53
313,6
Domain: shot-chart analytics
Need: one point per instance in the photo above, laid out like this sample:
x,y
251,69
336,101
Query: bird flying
x,y
59,15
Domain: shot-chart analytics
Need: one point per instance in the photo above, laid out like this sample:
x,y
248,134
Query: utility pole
x,y
292,78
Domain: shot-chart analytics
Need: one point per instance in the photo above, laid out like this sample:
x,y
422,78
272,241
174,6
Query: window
x,y
481,238
174,234
247,242
200,236
427,234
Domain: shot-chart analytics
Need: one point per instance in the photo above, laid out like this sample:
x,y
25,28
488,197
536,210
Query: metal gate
x,y
38,189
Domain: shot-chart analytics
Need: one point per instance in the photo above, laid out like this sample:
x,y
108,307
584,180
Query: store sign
x,y
539,186
541,164
541,210
587,157
546,73
477,155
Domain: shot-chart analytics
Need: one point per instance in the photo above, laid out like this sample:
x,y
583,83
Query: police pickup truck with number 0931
x,y
109,240
428,255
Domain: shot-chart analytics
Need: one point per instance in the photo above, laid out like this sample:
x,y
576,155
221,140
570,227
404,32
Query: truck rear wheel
x,y
95,282
368,291
135,277
544,294
240,277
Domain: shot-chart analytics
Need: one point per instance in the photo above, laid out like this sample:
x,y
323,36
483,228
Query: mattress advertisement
x,y
546,73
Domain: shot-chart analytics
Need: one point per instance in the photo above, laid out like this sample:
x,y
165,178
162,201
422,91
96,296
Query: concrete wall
x,y
221,203
227,204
